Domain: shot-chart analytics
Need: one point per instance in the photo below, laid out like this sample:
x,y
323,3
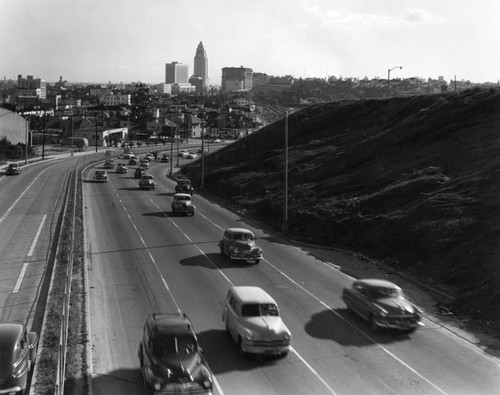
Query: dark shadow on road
x,y
214,261
223,355
119,381
347,329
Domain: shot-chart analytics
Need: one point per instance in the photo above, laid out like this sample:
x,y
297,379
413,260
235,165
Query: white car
x,y
252,318
191,155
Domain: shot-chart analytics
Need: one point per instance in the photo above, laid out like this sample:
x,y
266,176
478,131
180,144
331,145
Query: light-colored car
x,y
252,318
383,304
191,155
183,203
101,176
239,244
147,181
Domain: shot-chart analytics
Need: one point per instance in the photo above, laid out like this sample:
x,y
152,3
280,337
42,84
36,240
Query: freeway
x,y
141,259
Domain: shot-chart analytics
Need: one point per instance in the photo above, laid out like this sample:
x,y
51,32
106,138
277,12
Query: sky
x,y
101,41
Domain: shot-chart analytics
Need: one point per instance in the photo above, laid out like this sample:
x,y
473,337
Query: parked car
x,y
183,203
101,176
133,161
13,169
18,349
252,318
239,244
121,168
184,186
144,164
383,304
147,182
165,158
171,359
149,157
139,172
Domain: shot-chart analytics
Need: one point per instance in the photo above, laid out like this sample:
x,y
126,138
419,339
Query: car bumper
x,y
403,323
251,256
268,349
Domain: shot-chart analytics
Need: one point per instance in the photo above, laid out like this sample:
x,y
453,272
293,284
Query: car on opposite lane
x,y
13,169
383,304
18,349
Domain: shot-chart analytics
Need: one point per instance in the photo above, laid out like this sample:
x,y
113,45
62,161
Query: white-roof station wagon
x,y
252,318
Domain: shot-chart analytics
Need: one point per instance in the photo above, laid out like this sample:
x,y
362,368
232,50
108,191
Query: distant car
x,y
202,150
165,158
147,182
239,244
183,203
101,176
171,359
139,172
121,168
127,156
13,169
191,155
252,318
17,355
109,164
383,304
184,186
149,157
183,153
217,141
144,164
133,161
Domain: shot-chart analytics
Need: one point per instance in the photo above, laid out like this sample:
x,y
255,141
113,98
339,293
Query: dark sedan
x,y
383,304
17,355
13,170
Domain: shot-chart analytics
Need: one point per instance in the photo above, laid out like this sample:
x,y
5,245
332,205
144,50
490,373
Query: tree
x,y
140,112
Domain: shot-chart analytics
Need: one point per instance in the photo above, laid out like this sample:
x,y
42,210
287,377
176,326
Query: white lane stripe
x,y
33,244
22,194
20,279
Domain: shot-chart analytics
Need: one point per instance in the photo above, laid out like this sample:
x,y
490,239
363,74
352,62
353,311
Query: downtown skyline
x,y
125,41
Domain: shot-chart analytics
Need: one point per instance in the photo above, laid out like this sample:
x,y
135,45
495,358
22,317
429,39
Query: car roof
x,y
182,195
9,333
251,294
239,230
166,323
147,176
376,283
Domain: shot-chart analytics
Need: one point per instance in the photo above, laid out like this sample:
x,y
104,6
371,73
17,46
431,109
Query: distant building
x,y
116,100
176,73
237,79
13,127
30,89
201,66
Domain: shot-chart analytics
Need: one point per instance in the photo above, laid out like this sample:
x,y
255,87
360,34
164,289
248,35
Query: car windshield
x,y
378,293
182,198
258,310
243,236
174,345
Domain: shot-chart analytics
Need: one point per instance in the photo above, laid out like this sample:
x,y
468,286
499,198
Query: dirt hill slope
x,y
413,181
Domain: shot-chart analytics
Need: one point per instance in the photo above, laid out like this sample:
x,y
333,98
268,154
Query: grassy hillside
x,y
413,181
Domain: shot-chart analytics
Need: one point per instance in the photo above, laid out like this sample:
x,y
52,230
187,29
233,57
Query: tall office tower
x,y
176,73
201,65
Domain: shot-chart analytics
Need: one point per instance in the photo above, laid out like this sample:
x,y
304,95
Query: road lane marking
x,y
30,252
20,279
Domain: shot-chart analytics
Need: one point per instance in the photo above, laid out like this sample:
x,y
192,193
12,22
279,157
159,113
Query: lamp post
x,y
202,150
389,78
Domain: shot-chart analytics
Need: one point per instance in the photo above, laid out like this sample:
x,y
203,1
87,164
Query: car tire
x,y
256,261
221,249
240,347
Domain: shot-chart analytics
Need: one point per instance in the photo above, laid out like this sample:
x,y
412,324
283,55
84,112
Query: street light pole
x,y
202,151
389,78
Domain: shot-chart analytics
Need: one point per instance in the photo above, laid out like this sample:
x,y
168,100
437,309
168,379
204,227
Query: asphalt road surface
x,y
141,260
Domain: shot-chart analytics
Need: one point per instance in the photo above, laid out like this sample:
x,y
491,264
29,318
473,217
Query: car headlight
x,y
207,383
157,386
236,251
